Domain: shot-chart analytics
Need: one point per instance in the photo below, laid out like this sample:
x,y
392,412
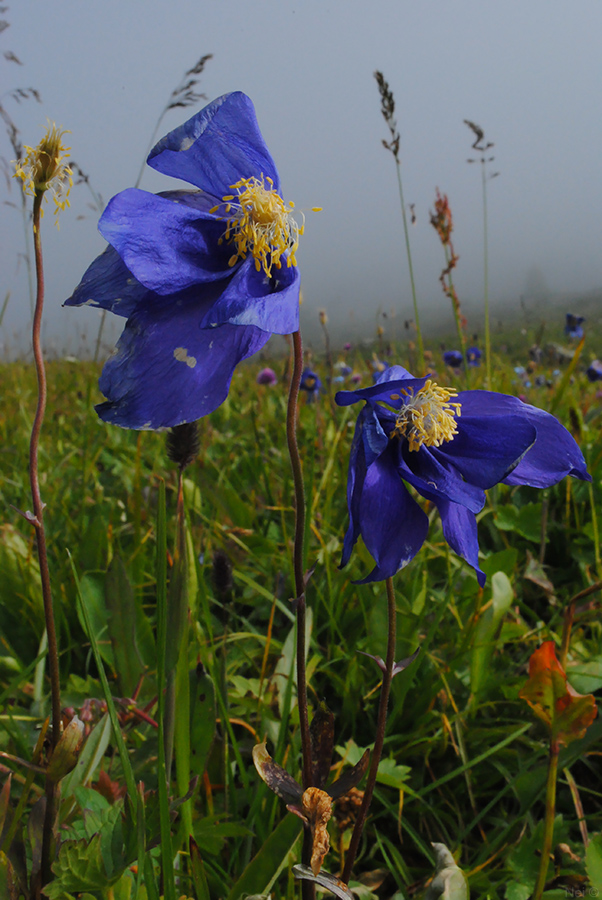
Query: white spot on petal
x,y
181,354
186,143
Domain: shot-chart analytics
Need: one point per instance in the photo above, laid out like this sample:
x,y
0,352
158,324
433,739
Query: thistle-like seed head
x,y
44,168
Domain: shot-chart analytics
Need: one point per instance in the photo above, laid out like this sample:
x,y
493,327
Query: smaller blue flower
x,y
343,369
573,328
594,371
449,447
311,384
453,359
473,356
378,367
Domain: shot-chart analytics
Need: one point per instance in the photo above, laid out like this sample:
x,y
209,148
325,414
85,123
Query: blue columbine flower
x,y
573,327
203,277
453,359
594,371
450,447
473,356
311,384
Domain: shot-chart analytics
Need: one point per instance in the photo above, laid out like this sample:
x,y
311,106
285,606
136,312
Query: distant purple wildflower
x,y
453,359
594,372
573,327
473,356
266,376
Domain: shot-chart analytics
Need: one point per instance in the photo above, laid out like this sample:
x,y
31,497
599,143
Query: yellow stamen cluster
x,y
260,223
428,417
44,168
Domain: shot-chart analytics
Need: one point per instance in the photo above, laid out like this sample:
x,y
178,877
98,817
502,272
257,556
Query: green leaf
x,y
593,862
8,879
121,623
391,774
448,882
502,561
93,599
80,867
502,596
525,521
264,868
89,759
202,719
518,891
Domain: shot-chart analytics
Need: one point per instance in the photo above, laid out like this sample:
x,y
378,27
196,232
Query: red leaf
x,y
566,713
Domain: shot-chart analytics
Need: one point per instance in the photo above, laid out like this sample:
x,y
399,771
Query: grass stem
x,y
380,733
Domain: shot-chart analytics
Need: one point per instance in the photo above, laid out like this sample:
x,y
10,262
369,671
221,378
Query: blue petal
x,y
486,448
355,483
167,369
554,455
216,147
166,244
460,532
435,478
392,524
392,382
108,284
251,298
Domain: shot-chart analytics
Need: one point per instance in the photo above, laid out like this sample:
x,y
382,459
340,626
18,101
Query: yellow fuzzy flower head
x,y
44,168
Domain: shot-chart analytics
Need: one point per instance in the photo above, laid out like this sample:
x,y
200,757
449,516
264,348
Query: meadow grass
x,y
464,760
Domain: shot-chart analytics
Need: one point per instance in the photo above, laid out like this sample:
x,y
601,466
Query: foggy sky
x,y
528,73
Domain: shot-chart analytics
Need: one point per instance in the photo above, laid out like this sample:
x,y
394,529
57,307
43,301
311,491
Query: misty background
x,y
528,74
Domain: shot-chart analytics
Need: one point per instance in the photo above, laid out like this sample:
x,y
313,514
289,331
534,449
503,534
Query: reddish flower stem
x,y
307,888
38,523
293,449
379,740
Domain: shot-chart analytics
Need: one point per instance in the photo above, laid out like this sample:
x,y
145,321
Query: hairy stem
x,y
381,725
307,888
38,523
293,449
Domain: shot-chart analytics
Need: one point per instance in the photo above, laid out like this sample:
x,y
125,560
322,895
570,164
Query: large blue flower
x,y
203,277
450,447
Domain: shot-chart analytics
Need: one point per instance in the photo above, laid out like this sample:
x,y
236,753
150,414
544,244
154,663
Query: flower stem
x,y
380,733
486,277
293,449
548,830
307,888
38,523
421,363
451,293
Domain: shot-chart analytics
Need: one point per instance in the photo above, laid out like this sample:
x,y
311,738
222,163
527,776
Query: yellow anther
x,y
428,417
259,223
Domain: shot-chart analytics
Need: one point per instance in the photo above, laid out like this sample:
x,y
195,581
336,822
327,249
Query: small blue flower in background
x,y
343,369
311,384
266,376
453,359
594,371
573,328
378,367
450,447
202,276
473,356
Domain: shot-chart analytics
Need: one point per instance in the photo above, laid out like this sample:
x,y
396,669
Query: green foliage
x,y
463,763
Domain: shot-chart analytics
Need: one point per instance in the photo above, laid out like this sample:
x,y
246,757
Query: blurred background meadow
x,y
465,760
